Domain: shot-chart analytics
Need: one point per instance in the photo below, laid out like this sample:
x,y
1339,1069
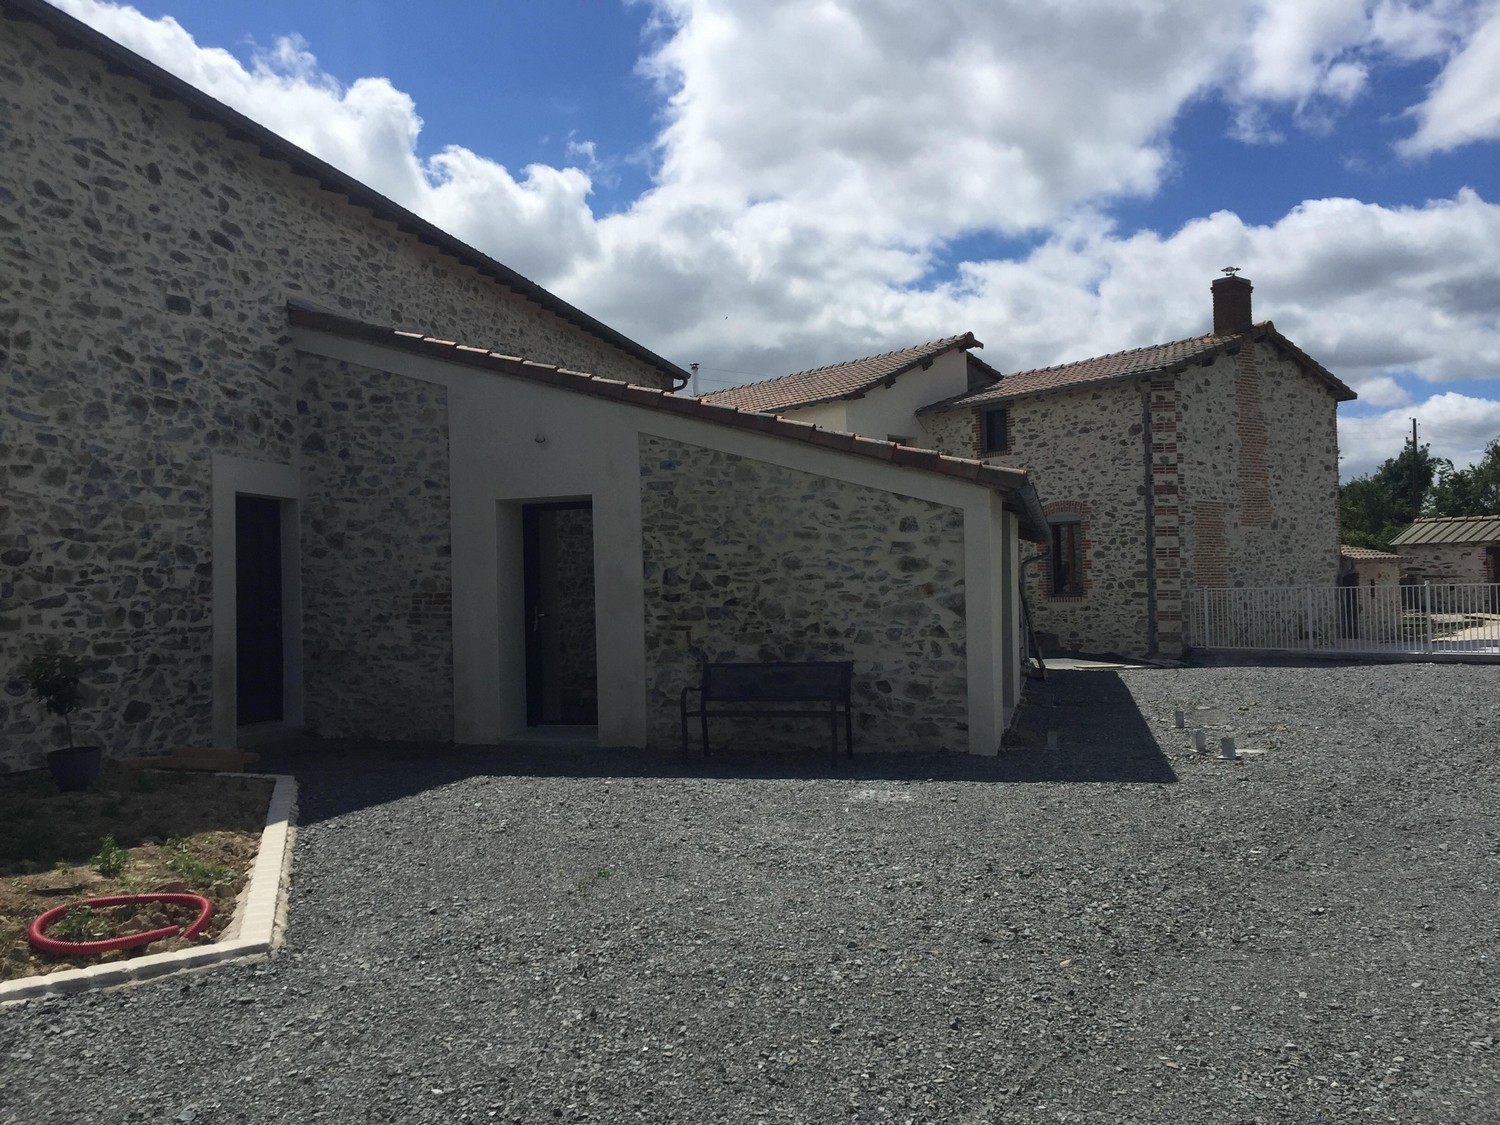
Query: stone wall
x,y
1259,473
376,590
1082,450
746,560
145,264
1244,490
1446,562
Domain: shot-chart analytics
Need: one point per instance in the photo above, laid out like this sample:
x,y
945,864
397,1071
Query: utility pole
x,y
1416,480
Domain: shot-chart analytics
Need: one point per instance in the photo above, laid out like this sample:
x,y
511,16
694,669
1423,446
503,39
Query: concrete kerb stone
x,y
257,929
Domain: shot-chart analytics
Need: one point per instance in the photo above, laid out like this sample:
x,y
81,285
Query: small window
x,y
996,430
1067,561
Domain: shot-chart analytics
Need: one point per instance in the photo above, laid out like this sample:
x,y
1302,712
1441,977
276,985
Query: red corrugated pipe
x,y
40,941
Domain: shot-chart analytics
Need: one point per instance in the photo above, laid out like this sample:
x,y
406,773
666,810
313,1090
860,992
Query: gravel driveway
x,y
1112,931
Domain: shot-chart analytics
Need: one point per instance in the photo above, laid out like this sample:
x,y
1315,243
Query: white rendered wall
x,y
884,411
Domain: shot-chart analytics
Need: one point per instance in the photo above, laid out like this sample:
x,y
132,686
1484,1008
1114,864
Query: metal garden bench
x,y
808,689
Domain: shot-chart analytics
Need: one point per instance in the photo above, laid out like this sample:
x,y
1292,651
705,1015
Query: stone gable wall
x,y
376,584
746,560
1244,488
1259,470
145,264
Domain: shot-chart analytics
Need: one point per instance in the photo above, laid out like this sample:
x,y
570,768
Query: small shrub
x,y
110,859
190,867
81,923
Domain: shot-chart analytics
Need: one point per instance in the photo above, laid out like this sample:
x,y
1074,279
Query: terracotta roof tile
x,y
1021,497
837,381
1349,552
1136,361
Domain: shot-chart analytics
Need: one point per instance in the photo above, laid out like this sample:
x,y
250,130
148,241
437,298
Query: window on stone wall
x,y
1066,563
996,430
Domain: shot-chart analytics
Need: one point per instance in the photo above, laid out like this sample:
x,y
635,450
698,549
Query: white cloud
x,y
1381,390
1295,48
1455,426
1463,104
815,161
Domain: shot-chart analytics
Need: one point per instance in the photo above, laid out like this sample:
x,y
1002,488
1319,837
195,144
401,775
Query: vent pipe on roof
x,y
1231,303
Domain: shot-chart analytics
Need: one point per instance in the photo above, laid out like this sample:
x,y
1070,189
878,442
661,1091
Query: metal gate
x,y
1430,618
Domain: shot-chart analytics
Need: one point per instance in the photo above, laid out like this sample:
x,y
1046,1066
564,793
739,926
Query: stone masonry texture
x,y
145,264
1243,471
376,589
746,560
1082,450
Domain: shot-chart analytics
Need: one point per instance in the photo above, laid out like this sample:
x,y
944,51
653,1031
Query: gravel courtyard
x,y
1114,930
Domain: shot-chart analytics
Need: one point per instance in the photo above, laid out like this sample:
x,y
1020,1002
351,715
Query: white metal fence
x,y
1429,618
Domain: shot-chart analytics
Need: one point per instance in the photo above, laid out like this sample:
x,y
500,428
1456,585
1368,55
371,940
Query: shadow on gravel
x,y
1101,738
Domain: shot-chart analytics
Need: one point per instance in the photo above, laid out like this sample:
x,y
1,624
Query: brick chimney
x,y
1231,305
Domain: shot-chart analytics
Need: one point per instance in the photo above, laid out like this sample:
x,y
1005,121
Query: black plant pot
x,y
75,768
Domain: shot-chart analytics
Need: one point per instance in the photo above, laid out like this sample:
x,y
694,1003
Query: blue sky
x,y
762,186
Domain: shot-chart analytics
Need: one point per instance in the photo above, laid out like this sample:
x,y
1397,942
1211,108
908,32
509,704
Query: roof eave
x,y
1013,485
964,343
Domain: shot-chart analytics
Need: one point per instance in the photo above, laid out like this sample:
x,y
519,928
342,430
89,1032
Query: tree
x,y
1373,509
1474,491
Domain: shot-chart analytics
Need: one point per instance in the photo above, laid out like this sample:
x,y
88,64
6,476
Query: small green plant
x,y
110,859
190,867
52,678
81,923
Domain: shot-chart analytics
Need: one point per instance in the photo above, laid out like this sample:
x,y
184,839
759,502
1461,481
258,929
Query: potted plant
x,y
52,678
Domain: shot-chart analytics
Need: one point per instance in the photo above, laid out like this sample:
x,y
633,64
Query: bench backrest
x,y
790,681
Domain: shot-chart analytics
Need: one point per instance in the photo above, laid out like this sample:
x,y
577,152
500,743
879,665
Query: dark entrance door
x,y
258,652
561,657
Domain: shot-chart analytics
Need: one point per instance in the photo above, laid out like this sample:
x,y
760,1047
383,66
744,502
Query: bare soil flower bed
x,y
134,832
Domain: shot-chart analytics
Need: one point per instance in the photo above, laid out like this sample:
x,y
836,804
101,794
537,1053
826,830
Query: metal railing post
x,y
1426,616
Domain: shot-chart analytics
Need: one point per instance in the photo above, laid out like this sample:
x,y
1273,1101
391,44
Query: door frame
x,y
234,477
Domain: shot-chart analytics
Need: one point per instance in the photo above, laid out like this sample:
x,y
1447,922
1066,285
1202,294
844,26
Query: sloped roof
x,y
1451,529
850,379
73,33
1021,496
1349,552
1173,356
